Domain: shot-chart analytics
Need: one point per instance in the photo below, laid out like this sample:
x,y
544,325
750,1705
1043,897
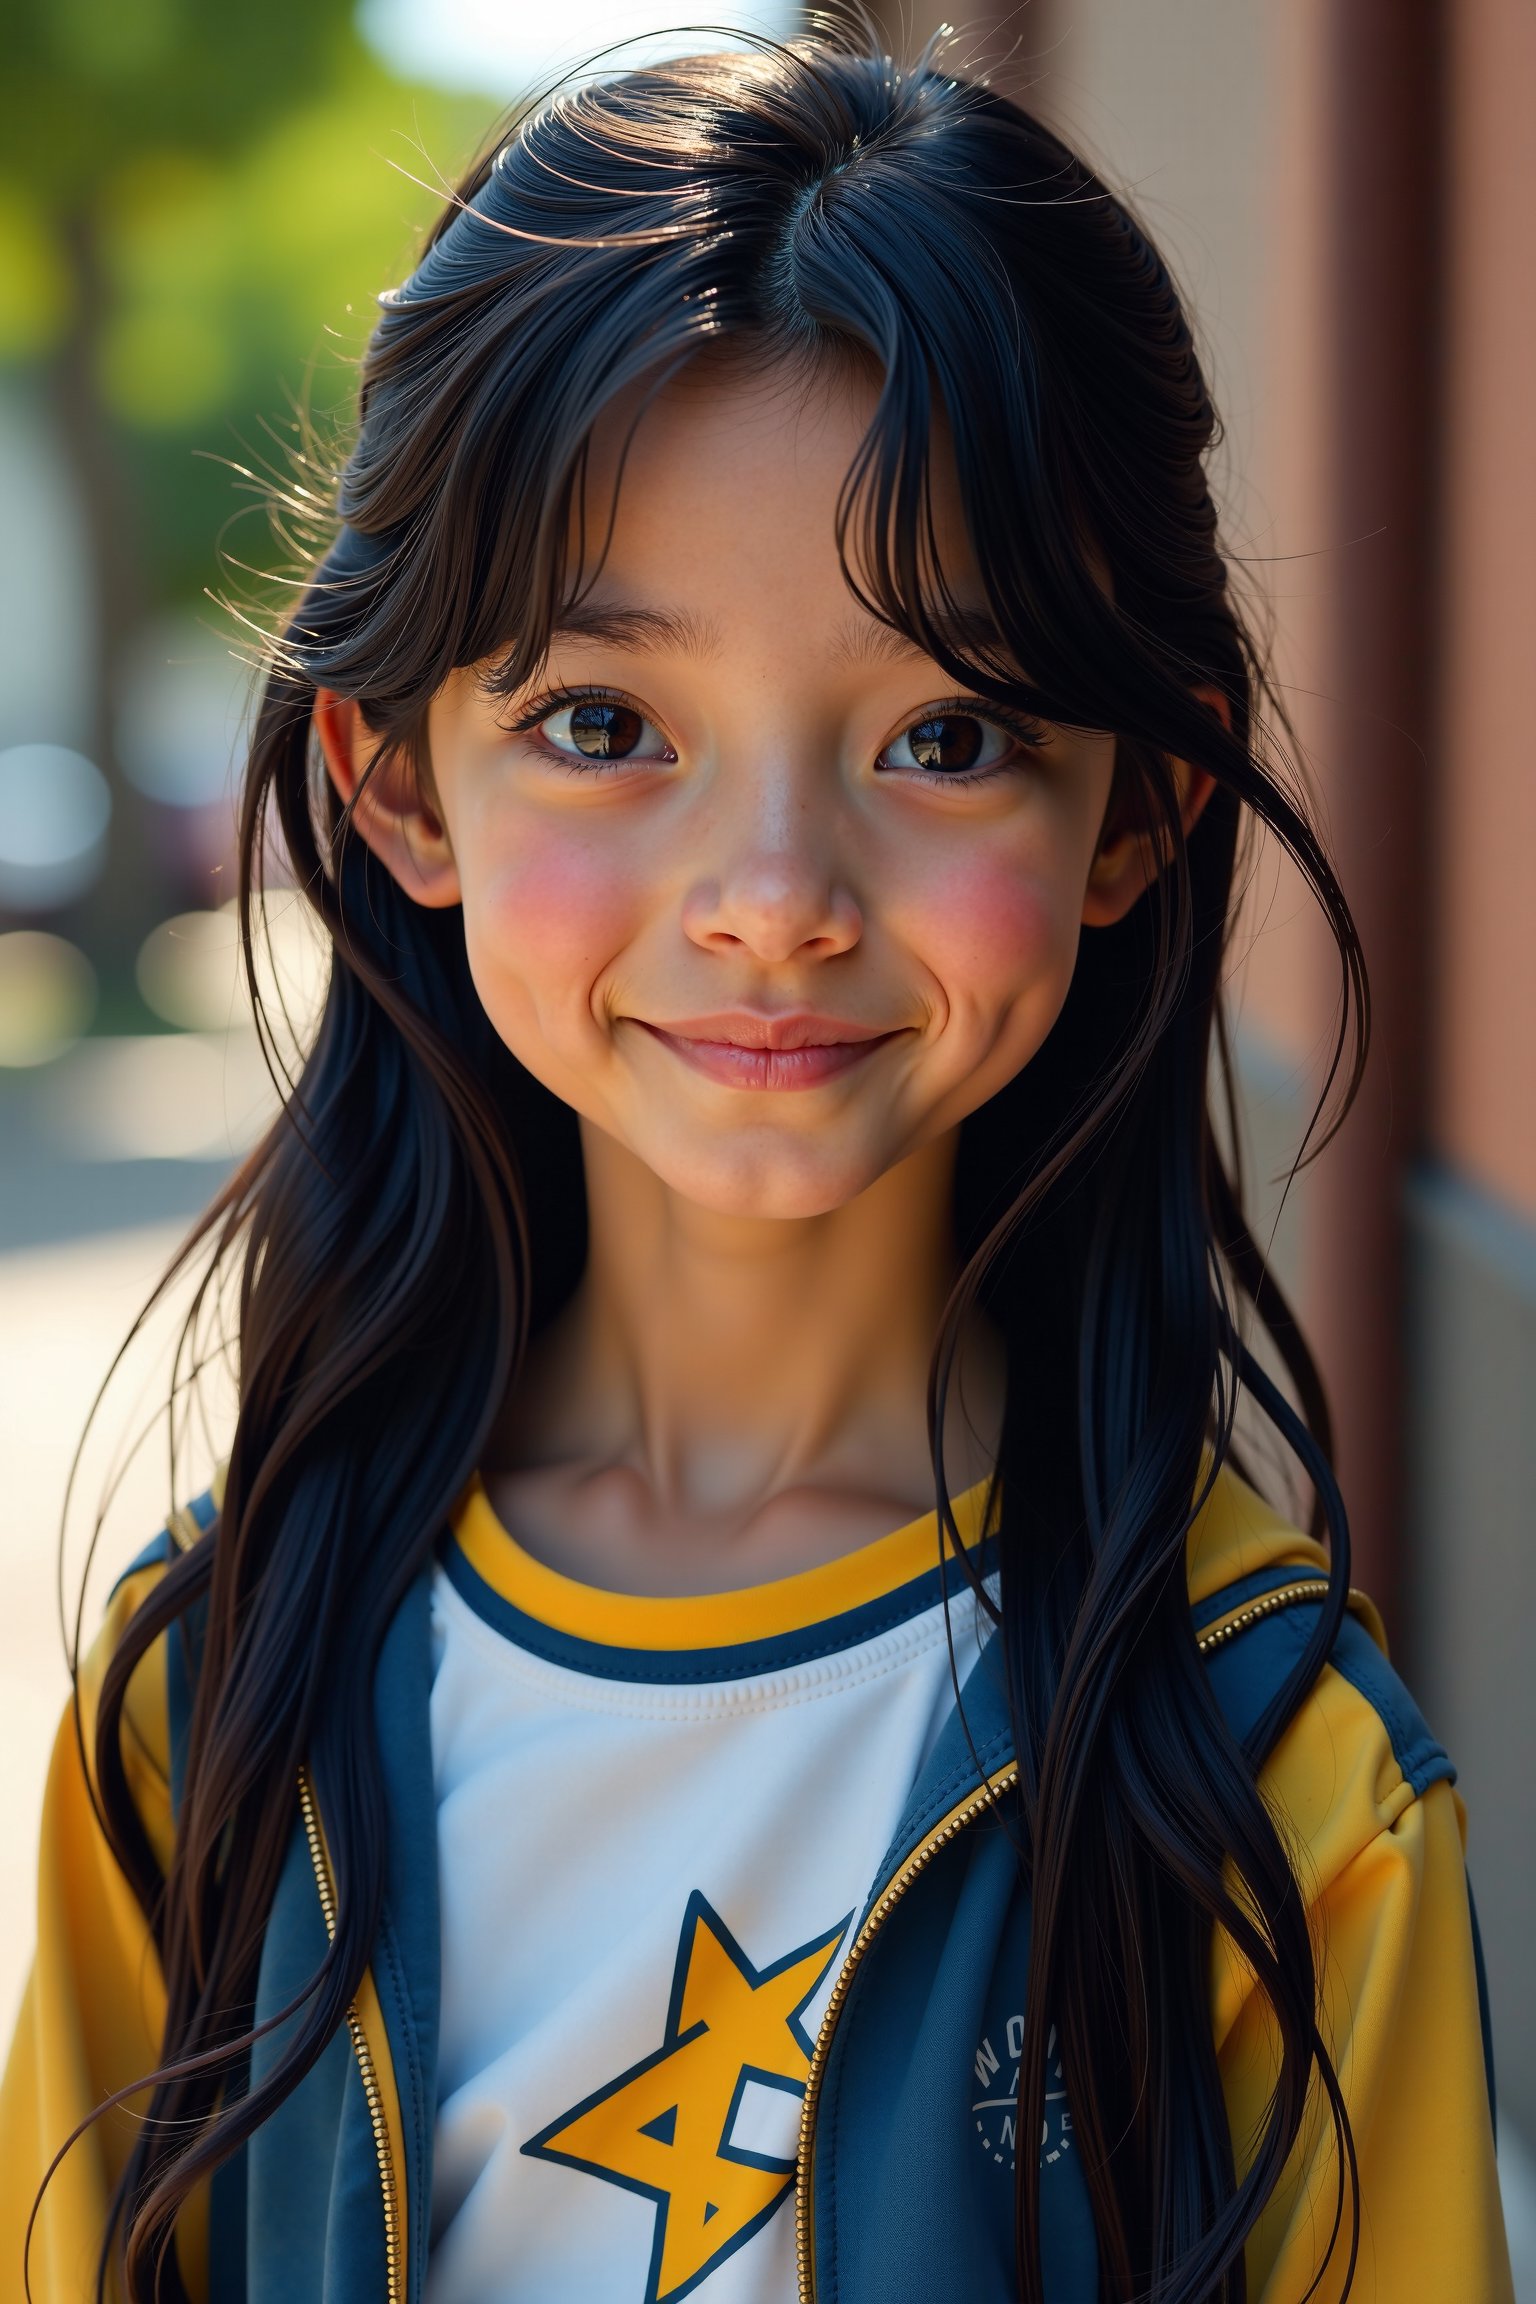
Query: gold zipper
x,y
1286,1597
394,2284
943,1832
1001,1780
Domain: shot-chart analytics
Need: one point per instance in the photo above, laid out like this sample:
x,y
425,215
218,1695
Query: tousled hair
x,y
417,1212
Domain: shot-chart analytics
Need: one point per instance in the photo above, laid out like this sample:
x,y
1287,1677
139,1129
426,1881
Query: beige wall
x,y
1484,1020
1205,112
1214,114
1171,101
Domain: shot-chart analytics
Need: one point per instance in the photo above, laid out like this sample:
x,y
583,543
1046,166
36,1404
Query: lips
x,y
743,1050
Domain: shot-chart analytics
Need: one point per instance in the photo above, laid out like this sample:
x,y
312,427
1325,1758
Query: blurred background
x,y
199,203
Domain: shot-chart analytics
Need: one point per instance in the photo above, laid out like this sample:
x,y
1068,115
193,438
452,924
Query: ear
x,y
392,815
1127,861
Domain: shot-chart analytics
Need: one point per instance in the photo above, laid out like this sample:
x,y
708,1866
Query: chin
x,y
786,1182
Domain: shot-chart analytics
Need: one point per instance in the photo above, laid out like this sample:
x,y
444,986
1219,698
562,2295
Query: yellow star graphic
x,y
663,2128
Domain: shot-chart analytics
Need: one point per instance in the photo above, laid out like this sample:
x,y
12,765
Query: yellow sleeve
x,y
1400,2014
93,2012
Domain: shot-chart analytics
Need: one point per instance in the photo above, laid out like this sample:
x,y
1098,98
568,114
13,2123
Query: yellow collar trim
x,y
1236,1533
705,1619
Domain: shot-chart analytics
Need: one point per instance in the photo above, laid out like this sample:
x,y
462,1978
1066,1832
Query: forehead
x,y
734,472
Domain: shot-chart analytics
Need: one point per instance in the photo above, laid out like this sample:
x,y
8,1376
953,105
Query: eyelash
x,y
1028,733
559,700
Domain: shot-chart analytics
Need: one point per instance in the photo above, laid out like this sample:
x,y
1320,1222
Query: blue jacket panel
x,y
911,2180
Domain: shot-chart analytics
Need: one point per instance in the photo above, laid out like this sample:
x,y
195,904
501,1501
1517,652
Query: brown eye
x,y
949,743
605,731
602,728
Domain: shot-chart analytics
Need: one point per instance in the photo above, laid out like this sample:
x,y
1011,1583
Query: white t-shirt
x,y
657,1823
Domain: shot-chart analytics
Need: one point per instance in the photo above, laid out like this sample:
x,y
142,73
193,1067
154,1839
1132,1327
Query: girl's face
x,y
745,881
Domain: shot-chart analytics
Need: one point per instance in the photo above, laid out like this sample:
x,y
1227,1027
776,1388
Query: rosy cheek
x,y
550,910
990,929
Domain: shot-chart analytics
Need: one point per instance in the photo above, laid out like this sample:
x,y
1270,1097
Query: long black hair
x,y
418,1208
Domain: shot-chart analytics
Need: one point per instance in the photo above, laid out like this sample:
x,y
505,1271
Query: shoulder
x,y
1362,1795
1358,1751
186,1525
157,1702
1359,1786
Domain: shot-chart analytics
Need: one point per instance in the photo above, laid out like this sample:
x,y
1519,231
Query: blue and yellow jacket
x,y
894,2204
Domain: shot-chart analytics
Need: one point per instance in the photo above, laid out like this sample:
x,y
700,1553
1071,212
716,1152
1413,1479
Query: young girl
x,y
768,742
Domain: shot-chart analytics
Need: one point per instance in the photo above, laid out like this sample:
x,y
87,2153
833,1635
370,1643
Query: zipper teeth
x,y
367,2069
1001,1781
1286,1597
896,1888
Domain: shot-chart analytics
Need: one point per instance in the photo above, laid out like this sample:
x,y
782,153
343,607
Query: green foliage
x,y
211,193
35,285
89,79
237,291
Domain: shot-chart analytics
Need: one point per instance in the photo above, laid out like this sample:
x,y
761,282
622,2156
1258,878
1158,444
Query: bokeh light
x,y
182,701
190,971
47,997
160,1096
55,806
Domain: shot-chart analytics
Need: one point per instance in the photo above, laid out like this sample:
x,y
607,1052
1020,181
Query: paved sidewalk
x,y
63,1313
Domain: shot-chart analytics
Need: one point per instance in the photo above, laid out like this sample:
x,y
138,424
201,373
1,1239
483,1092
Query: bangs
x,y
753,213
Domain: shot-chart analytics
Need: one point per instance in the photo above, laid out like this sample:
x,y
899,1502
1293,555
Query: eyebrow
x,y
861,639
856,638
617,625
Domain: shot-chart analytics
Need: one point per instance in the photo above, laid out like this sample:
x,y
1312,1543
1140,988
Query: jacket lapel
x,y
407,1954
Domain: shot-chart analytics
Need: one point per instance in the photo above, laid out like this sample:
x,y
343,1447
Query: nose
x,y
777,897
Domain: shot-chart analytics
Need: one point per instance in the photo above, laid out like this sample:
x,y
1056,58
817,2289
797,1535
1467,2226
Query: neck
x,y
721,1364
